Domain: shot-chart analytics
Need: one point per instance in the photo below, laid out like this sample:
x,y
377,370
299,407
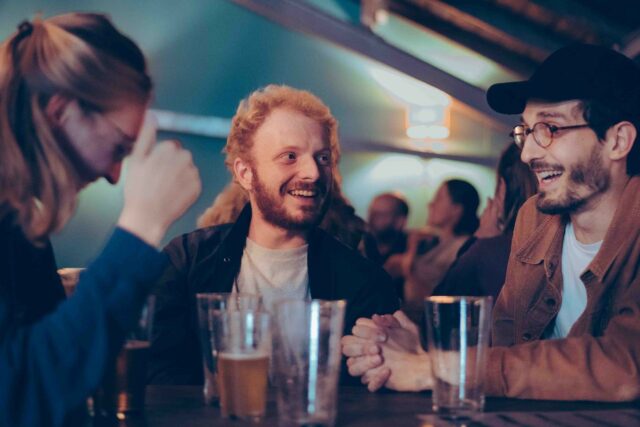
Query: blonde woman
x,y
73,97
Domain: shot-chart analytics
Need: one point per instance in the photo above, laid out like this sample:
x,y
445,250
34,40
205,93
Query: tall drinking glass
x,y
122,391
307,358
458,337
243,342
206,303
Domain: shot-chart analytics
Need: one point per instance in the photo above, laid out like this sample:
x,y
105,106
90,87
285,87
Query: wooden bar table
x,y
172,406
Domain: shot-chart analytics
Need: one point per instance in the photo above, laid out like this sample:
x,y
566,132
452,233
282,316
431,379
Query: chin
x,y
559,207
306,221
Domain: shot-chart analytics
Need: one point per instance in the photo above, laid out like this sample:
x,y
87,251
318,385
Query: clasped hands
x,y
385,351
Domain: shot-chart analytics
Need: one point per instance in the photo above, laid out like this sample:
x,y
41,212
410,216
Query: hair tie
x,y
25,28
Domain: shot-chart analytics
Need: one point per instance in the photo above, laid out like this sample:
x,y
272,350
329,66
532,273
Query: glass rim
x,y
208,295
450,299
321,302
258,312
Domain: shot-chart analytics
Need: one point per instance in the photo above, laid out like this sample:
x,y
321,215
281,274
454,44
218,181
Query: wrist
x,y
424,377
148,231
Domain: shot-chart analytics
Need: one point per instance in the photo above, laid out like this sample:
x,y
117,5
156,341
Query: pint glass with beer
x,y
216,302
243,342
122,390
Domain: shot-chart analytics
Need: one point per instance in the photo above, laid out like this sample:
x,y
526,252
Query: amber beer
x,y
122,389
242,383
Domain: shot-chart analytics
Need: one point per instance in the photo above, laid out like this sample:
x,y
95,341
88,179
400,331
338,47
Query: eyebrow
x,y
551,114
288,148
547,115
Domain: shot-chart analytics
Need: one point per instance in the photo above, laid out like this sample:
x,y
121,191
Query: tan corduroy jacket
x,y
600,358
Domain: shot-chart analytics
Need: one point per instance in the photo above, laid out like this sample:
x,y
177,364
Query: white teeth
x,y
548,174
303,193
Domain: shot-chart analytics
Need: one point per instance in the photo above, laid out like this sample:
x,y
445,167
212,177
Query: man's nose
x,y
531,150
113,175
309,169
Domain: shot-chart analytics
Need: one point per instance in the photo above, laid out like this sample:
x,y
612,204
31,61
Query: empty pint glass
x,y
458,337
307,354
122,390
212,302
243,343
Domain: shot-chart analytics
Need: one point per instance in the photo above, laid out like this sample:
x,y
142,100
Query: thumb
x,y
146,138
404,321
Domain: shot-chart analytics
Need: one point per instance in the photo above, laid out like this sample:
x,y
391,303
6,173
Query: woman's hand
x,y
162,183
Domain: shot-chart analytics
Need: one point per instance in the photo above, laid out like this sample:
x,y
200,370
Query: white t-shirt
x,y
275,274
576,257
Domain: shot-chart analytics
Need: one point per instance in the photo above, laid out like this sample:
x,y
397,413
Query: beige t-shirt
x,y
275,274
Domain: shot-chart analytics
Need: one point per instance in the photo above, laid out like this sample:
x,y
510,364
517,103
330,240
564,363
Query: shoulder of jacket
x,y
185,245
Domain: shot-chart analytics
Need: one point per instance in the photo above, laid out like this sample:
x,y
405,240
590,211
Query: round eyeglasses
x,y
542,133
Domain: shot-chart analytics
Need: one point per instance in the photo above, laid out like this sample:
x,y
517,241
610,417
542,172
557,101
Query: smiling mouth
x,y
548,176
306,194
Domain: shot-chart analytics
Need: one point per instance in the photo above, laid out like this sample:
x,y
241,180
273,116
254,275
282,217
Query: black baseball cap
x,y
578,71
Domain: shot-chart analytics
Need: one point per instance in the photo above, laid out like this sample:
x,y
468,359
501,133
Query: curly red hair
x,y
254,110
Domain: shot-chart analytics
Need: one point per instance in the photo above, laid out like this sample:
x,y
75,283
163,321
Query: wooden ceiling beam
x,y
568,17
302,17
515,61
500,26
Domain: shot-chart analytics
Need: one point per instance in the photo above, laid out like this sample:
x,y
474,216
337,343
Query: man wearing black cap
x,y
566,325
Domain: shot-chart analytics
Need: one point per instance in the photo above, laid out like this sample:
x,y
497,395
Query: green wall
x,y
205,55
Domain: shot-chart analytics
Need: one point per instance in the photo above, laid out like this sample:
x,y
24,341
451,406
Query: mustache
x,y
318,187
535,165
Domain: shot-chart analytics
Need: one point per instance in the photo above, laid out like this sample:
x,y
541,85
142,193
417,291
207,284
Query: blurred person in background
x,y
481,268
386,222
452,220
73,97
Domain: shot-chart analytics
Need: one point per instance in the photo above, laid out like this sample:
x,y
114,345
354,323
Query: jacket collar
x,y
622,232
545,243
233,244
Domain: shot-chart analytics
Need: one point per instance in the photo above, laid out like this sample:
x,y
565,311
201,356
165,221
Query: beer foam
x,y
242,356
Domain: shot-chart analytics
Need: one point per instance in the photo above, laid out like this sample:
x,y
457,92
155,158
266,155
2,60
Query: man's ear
x,y
244,173
621,136
56,108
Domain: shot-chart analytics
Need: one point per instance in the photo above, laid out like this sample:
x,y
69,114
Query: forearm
x,y
581,368
407,371
48,368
